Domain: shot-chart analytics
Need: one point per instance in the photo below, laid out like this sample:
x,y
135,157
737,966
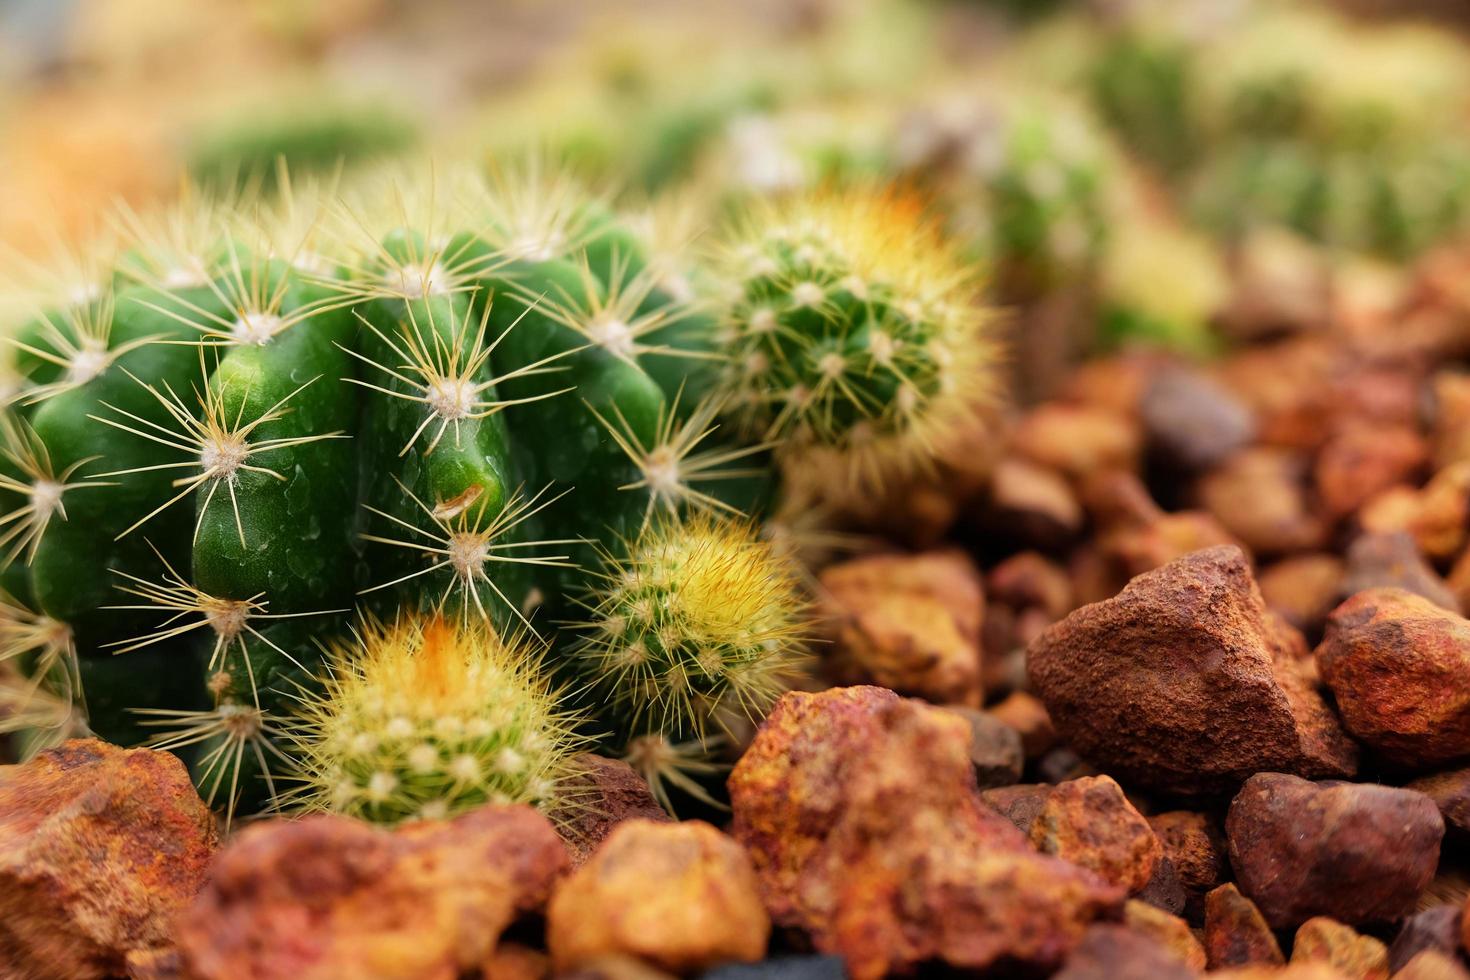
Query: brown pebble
x,y
1303,589
1090,822
1356,852
1169,931
1354,955
1183,683
601,793
1436,928
995,748
1026,714
1433,965
681,896
1113,952
1399,666
1195,845
1235,932
1377,561
100,849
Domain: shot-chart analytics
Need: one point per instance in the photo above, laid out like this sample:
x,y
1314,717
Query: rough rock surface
x,y
328,897
1090,822
1112,952
1399,666
1169,931
1393,561
1020,804
100,847
1354,955
681,896
1356,852
603,793
1236,934
908,622
1194,845
862,819
1184,683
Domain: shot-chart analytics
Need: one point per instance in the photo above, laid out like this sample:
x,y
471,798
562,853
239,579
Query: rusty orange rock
x,y
1090,822
861,816
512,961
1135,535
680,896
1078,440
1169,931
1354,955
1194,845
1184,683
1113,952
1033,503
333,898
100,847
1236,933
911,623
1399,666
601,793
1434,516
1364,459
1027,716
1259,495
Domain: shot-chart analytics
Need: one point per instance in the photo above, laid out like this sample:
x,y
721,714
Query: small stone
x,y
1078,440
1090,822
861,816
1288,386
1062,764
1450,791
1033,504
1235,932
1195,846
1303,589
1027,716
1183,683
1164,890
1392,561
910,623
1354,955
1362,460
1436,928
602,793
1283,284
1399,666
1113,952
1169,931
100,848
158,963
1029,580
1356,852
1434,516
995,748
681,896
1021,804
1259,496
1115,383
423,900
1192,421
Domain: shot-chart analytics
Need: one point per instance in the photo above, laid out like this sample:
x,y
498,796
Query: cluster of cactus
x,y
404,492
1295,119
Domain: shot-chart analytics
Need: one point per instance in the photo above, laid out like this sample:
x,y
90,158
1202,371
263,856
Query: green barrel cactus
x,y
307,486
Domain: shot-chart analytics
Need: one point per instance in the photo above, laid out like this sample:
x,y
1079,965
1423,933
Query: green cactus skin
x,y
701,617
419,416
853,339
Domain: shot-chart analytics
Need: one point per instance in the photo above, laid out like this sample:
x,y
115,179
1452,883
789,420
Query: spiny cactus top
x,y
426,718
854,337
